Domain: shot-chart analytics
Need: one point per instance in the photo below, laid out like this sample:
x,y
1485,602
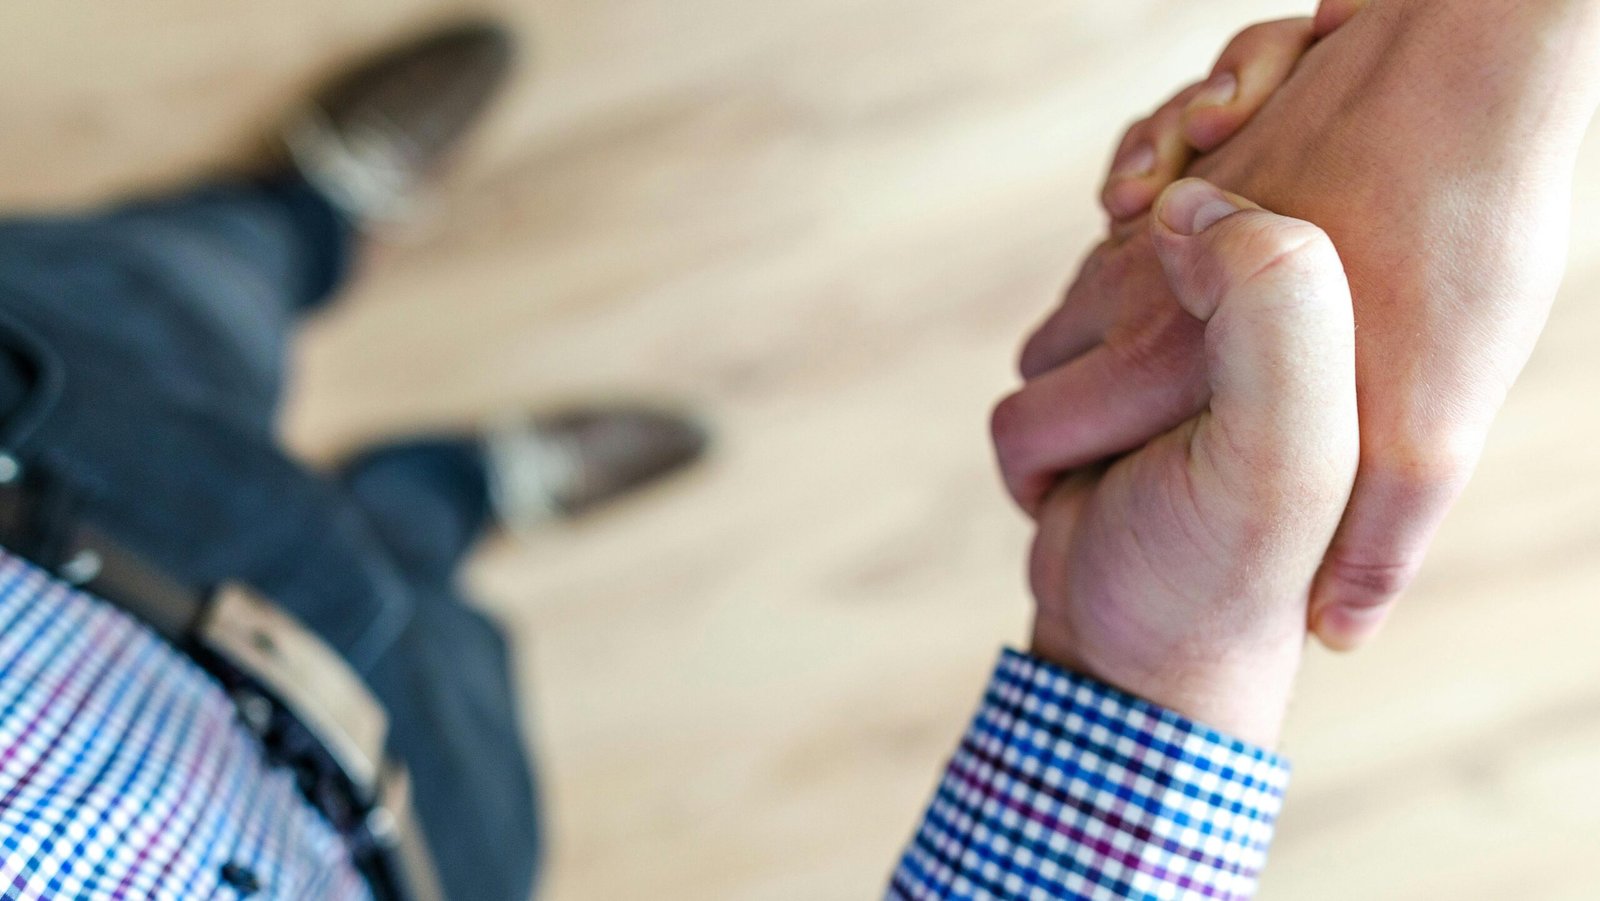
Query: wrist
x,y
1241,688
1537,61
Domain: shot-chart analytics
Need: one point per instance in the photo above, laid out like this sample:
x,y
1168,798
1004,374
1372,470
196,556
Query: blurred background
x,y
827,225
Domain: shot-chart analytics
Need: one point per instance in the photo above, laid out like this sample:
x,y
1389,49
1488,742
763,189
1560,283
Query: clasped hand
x,y
1187,435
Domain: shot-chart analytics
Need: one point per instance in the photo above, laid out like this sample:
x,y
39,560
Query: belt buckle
x,y
307,676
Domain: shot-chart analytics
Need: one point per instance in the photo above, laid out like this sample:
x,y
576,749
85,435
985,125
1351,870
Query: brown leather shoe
x,y
564,465
369,137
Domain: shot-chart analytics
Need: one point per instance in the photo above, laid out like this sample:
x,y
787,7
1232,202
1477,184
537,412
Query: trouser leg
x,y
447,682
447,678
428,498
276,230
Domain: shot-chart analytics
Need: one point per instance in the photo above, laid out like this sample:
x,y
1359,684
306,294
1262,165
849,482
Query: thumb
x,y
1281,431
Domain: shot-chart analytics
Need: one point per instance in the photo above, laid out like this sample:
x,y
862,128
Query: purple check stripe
x,y
981,781
1064,788
125,773
70,677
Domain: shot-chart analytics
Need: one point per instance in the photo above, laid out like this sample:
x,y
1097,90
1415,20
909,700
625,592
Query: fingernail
x,y
1191,206
1220,90
1141,160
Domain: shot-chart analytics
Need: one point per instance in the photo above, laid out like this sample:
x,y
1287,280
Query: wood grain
x,y
827,224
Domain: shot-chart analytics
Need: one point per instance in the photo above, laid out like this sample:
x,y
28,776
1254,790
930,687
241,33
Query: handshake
x,y
1245,422
1217,461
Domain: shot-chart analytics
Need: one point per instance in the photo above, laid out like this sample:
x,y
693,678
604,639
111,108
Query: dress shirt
x,y
125,772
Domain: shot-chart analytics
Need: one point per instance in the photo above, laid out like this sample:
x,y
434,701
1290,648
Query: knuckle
x,y
1294,30
1021,468
1131,137
1159,349
1030,363
1133,130
1122,199
1378,578
1167,120
1423,470
1031,358
1280,246
1006,429
1254,33
1180,101
1294,241
1270,35
1244,43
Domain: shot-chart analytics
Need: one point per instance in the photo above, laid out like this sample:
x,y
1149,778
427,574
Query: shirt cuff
x,y
1065,787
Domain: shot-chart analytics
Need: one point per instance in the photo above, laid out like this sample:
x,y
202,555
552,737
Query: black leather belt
x,y
311,712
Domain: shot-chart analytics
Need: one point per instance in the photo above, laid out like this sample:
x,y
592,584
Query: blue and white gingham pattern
x,y
124,772
1067,788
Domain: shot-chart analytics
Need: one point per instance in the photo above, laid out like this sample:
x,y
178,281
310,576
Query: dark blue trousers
x,y
167,322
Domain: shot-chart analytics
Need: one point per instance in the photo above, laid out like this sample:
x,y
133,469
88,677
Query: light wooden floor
x,y
827,224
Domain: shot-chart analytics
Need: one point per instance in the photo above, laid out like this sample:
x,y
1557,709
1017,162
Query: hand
x,y
1435,143
1181,573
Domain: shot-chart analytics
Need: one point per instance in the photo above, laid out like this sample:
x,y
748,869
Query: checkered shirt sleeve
x,y
1067,788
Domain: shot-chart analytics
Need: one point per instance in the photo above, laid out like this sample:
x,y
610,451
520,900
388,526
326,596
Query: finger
x,y
1117,297
1069,332
1107,402
1280,350
1152,155
1400,499
1333,14
1252,68
1080,323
